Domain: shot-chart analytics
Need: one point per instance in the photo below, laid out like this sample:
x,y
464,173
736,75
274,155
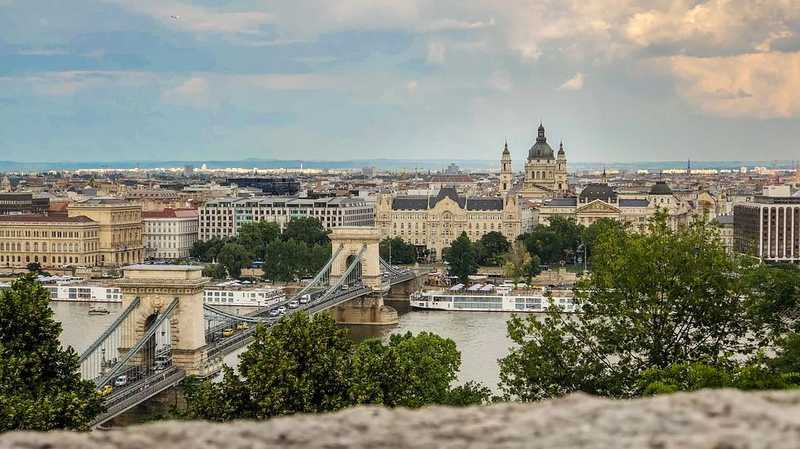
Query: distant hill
x,y
386,164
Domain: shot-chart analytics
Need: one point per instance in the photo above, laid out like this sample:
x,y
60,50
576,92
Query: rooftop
x,y
43,219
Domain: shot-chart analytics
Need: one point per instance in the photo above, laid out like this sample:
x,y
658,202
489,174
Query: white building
x,y
169,234
223,217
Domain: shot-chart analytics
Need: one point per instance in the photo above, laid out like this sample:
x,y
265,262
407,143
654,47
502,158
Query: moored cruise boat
x,y
240,294
490,298
229,293
84,293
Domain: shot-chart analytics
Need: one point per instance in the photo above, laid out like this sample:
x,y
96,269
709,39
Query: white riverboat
x,y
84,293
242,294
490,298
229,293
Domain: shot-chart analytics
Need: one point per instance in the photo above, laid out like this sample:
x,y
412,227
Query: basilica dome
x,y
541,149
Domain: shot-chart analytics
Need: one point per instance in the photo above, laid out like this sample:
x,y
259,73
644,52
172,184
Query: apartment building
x,y
223,217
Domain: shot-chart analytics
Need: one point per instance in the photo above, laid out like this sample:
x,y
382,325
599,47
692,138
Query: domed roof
x,y
541,149
660,188
598,191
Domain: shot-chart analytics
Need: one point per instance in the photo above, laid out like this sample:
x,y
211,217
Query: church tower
x,y
561,169
506,173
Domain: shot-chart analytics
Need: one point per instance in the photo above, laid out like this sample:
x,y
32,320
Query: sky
x,y
616,80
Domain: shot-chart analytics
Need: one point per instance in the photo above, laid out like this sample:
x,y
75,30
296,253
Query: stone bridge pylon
x,y
370,309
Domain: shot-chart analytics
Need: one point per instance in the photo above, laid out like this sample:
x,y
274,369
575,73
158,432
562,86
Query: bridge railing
x,y
139,392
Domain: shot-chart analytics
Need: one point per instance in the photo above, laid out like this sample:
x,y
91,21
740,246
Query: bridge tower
x,y
368,309
156,286
351,240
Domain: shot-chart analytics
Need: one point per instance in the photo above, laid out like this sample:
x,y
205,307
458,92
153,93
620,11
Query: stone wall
x,y
721,419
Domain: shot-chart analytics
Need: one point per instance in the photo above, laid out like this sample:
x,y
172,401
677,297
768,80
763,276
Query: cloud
x,y
193,92
198,18
68,83
574,83
761,85
457,25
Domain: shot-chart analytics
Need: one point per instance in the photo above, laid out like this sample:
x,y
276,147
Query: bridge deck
x,y
134,394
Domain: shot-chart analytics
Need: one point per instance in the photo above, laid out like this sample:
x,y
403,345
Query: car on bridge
x,y
105,391
274,312
293,304
121,381
305,299
228,332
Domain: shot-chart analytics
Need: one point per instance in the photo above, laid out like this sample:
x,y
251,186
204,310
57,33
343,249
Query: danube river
x,y
480,336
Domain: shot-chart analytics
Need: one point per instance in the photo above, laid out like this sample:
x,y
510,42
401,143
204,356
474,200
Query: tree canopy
x,y
40,382
397,251
256,235
491,248
462,258
653,300
234,257
305,229
309,365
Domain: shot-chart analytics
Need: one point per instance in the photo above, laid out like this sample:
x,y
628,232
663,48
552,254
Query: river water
x,y
480,336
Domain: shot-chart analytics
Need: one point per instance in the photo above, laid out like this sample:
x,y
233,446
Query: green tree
x,y
310,365
409,371
492,247
592,233
554,243
40,383
256,235
515,261
397,251
34,267
234,257
652,300
305,229
207,251
300,365
215,271
462,258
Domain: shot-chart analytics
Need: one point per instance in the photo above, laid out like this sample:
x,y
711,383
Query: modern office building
x,y
23,203
768,228
268,185
223,217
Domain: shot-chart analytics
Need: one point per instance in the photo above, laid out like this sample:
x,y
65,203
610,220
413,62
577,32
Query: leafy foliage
x,y
491,248
553,243
519,264
397,251
306,229
234,257
40,384
462,258
256,235
308,365
291,260
653,300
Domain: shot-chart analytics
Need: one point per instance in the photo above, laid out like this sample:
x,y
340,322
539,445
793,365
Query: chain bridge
x,y
165,332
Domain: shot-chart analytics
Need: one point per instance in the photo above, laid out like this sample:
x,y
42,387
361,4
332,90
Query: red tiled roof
x,y
171,213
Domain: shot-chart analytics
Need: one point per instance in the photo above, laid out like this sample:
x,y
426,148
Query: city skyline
x,y
121,80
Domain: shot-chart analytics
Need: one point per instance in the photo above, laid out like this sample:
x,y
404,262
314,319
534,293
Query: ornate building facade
x,y
434,221
52,242
545,172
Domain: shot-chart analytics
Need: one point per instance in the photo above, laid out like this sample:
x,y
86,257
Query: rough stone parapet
x,y
722,419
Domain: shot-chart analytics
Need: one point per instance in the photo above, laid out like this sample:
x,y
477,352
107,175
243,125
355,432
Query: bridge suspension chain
x,y
104,351
143,343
